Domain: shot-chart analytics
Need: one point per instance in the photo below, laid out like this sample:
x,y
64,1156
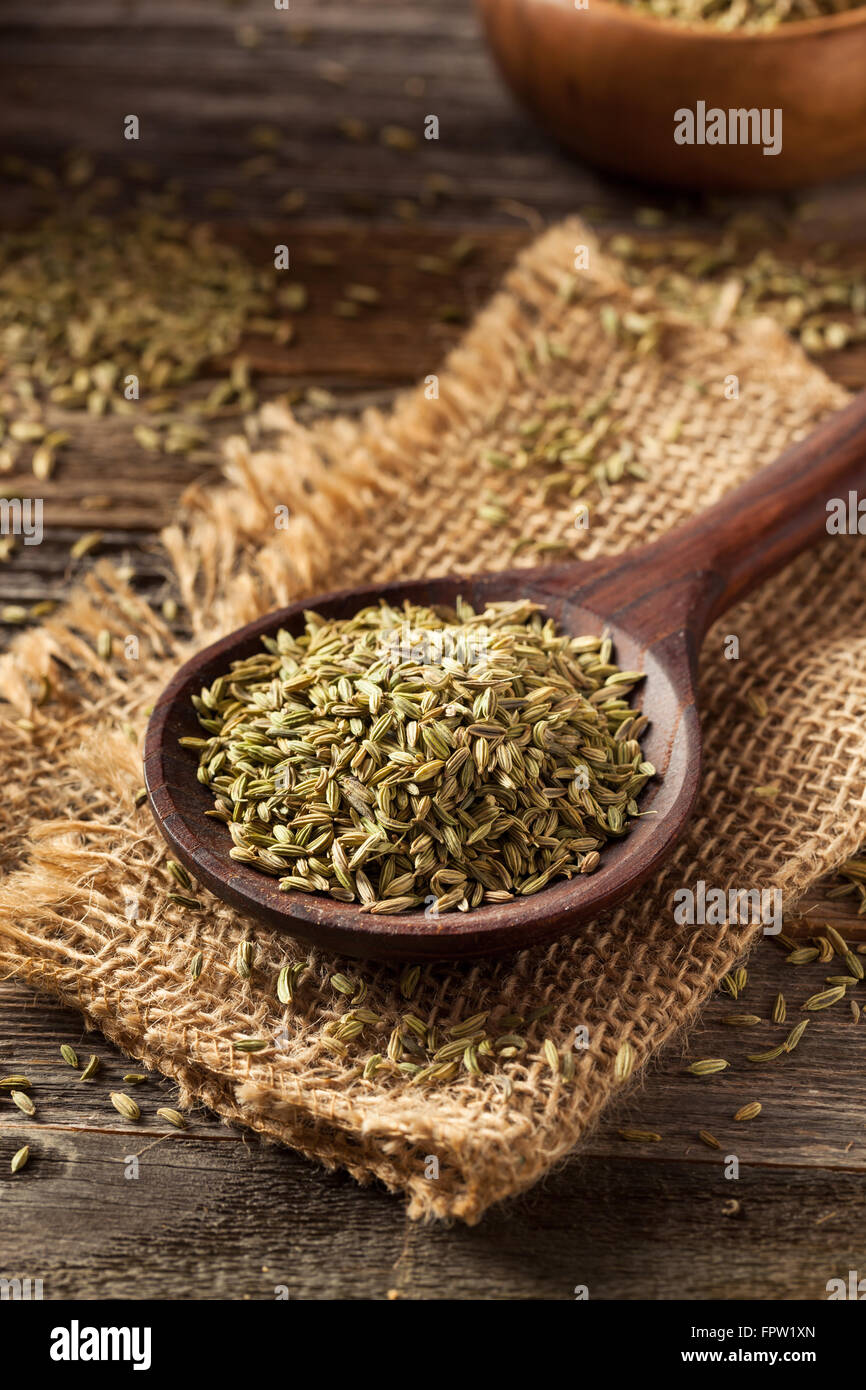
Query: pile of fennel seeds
x,y
423,757
742,14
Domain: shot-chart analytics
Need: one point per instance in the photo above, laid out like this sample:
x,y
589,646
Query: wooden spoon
x,y
657,602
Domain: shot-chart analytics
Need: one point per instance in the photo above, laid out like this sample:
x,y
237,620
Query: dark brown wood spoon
x,y
657,602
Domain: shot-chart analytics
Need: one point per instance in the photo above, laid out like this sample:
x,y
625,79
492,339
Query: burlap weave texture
x,y
83,907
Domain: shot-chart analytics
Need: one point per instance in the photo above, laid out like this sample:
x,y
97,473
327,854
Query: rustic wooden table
x,y
214,1213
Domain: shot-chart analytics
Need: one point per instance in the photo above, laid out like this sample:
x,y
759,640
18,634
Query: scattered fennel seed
x,y
23,1102
748,1112
174,1117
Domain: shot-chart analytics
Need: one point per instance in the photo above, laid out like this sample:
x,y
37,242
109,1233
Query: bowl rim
x,y
706,32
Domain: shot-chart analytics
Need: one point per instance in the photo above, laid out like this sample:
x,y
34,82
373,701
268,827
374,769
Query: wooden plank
x,y
234,1222
235,1219
215,1213
198,91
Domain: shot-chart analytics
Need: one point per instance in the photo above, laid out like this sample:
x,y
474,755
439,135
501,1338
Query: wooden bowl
x,y
607,80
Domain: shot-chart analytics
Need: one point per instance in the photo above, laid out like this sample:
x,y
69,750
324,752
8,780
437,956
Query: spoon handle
x,y
783,510
676,587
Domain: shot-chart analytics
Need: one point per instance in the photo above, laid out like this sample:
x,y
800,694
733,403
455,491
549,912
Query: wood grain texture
x,y
217,1214
198,92
213,1206
179,65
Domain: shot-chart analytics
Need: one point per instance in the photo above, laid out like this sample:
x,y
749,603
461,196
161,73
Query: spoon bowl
x,y
179,800
656,603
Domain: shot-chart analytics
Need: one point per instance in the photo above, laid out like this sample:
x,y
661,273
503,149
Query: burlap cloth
x,y
83,909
